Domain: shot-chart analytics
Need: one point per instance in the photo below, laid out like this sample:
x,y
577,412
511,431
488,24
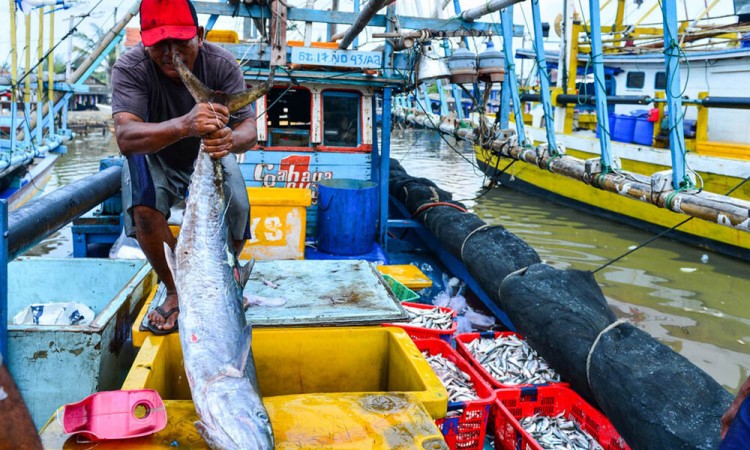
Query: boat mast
x,y
367,13
506,23
51,80
600,93
13,79
673,90
541,63
40,77
27,84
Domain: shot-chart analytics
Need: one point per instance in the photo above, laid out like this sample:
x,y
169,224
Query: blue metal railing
x,y
674,95
549,121
4,279
602,115
506,23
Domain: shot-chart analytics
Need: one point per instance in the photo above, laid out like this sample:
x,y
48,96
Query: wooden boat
x,y
371,380
716,142
34,127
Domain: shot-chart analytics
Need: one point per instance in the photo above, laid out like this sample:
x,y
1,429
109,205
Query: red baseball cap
x,y
167,19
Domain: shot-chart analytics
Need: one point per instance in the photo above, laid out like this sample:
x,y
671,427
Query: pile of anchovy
x,y
429,318
457,382
511,361
558,433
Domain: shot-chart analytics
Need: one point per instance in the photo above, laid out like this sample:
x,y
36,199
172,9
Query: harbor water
x,y
690,299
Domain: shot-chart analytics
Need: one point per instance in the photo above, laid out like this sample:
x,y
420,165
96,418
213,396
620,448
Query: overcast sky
x,y
105,17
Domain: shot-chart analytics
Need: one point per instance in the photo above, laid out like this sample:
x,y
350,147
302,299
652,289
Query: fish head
x,y
233,416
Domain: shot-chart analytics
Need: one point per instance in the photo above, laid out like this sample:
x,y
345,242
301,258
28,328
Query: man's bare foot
x,y
164,317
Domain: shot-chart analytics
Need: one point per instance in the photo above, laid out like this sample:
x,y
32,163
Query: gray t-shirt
x,y
140,88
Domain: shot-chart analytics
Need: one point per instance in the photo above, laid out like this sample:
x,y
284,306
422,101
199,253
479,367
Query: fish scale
x,y
215,338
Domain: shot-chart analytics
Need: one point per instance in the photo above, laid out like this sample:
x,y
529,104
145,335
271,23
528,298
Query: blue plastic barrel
x,y
643,132
347,212
624,128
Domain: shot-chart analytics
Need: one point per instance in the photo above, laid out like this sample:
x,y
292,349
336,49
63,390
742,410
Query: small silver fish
x,y
511,361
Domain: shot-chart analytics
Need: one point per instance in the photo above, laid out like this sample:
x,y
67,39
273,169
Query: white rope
x,y
483,227
596,341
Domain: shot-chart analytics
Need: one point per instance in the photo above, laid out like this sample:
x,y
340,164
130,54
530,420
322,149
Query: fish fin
x,y
200,92
169,256
244,98
245,271
246,341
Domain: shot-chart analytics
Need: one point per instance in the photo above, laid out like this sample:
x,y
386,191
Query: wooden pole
x,y
715,208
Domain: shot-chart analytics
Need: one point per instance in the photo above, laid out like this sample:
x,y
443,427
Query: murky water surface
x,y
700,309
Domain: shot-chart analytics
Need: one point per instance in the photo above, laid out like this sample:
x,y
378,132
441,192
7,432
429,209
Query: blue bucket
x,y
643,133
624,128
347,212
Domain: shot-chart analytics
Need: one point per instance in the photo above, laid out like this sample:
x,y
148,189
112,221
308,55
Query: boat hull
x,y
560,189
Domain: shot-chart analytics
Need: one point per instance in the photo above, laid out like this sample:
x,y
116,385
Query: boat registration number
x,y
336,58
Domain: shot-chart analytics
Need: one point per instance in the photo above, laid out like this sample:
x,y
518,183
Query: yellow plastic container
x,y
226,36
277,220
346,422
301,361
338,388
407,274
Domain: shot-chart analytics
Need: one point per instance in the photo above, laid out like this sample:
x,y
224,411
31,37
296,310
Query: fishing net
x,y
653,396
546,304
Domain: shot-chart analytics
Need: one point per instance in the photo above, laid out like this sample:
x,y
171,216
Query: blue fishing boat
x,y
339,215
34,102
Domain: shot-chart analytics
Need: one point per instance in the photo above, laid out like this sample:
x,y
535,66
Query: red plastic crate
x,y
512,405
468,430
427,333
461,345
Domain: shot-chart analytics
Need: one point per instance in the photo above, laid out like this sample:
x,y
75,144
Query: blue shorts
x,y
738,436
147,181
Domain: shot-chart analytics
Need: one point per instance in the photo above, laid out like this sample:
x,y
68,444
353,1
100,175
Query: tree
x,y
88,42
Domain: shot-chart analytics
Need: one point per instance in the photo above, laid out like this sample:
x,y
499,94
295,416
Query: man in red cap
x,y
158,127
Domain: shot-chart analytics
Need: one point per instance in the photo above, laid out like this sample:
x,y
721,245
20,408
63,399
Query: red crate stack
x,y
466,431
461,345
416,332
512,405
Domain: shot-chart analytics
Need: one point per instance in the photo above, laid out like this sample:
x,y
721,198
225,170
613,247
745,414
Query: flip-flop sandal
x,y
165,315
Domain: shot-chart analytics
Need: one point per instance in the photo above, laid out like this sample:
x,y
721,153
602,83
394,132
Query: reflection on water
x,y
700,309
81,160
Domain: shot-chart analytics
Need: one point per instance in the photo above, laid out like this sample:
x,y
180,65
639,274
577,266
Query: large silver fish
x,y
213,331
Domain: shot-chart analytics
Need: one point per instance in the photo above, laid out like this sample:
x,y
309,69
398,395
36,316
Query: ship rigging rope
x,y
650,240
474,231
426,206
673,44
611,326
44,58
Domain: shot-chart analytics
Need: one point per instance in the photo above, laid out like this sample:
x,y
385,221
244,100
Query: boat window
x,y
341,119
288,117
635,80
660,81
